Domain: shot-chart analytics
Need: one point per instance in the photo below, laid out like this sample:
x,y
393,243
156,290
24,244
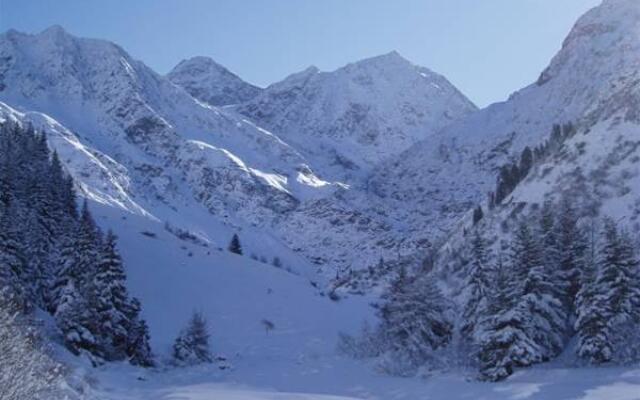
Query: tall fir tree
x,y
111,299
414,317
591,326
476,287
504,342
138,342
571,248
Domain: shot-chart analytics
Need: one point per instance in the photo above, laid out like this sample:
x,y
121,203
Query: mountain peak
x,y
392,58
54,31
200,61
360,114
210,82
604,40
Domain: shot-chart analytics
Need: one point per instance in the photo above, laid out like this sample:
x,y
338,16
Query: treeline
x,y
511,174
559,280
56,258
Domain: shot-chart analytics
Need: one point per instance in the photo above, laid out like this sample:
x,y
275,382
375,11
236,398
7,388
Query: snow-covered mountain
x,y
197,165
377,159
357,116
592,82
212,83
184,161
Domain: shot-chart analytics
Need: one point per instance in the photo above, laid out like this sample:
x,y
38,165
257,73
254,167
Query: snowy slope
x,y
211,83
594,78
98,176
183,157
353,118
180,156
297,360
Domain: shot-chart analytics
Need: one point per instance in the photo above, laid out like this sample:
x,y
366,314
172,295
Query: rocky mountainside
x,y
212,83
355,117
165,154
380,158
592,82
182,161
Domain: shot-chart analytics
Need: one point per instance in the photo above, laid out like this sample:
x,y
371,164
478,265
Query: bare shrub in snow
x,y
26,371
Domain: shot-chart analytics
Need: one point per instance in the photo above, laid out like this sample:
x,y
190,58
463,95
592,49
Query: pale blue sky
x,y
488,48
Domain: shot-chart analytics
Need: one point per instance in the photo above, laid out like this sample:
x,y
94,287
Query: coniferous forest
x,y
559,283
54,257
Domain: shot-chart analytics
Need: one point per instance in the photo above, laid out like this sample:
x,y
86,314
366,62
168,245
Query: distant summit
x,y
212,83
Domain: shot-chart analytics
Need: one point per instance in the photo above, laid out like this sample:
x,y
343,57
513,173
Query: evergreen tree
x,y
591,327
539,302
12,258
504,341
413,317
476,286
571,248
192,345
608,303
619,285
138,342
526,161
76,320
478,214
528,320
111,300
235,246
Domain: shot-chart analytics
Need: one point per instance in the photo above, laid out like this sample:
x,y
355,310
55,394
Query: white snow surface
x,y
355,117
297,360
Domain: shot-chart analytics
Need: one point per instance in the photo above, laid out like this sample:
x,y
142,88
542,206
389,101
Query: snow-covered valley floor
x,y
206,384
297,360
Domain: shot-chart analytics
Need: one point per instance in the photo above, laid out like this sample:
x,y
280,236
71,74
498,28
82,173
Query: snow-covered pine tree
x,y
12,257
591,325
502,334
75,314
77,321
192,344
111,300
476,288
414,317
571,247
527,325
38,216
619,286
234,245
540,301
138,341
